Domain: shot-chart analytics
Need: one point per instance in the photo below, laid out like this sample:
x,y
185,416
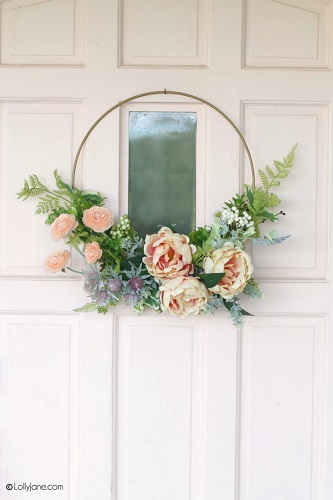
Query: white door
x,y
124,407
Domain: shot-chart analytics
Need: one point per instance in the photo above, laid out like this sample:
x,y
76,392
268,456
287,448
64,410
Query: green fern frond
x,y
289,159
61,192
283,169
62,186
35,182
270,172
258,199
47,203
50,219
264,179
90,307
199,255
32,188
272,200
278,165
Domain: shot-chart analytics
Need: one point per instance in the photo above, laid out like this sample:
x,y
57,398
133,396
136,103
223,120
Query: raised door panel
x,y
282,408
294,34
40,404
28,146
271,128
35,32
164,34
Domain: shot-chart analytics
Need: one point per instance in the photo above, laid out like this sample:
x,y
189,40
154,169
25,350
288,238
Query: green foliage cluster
x,y
64,199
120,272
261,200
74,201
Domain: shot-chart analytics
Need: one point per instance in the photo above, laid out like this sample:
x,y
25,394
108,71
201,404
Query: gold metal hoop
x,y
173,92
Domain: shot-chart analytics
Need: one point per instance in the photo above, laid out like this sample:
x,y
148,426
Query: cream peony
x,y
169,254
237,266
183,296
92,252
57,261
98,218
63,226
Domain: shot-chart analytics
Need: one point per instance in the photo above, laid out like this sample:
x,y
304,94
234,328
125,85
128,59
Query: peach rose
x,y
168,254
183,296
98,218
56,261
237,266
63,226
92,252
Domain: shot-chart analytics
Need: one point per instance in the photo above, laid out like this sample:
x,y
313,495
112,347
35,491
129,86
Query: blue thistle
x,y
92,279
114,285
101,297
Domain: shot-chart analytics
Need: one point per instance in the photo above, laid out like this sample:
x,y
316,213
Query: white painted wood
x,y
164,33
209,369
25,125
287,34
40,366
160,380
49,32
283,408
309,125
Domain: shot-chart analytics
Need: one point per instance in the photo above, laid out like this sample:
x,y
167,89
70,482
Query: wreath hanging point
x,y
171,272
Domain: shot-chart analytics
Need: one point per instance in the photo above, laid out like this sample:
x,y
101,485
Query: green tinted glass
x,y
162,168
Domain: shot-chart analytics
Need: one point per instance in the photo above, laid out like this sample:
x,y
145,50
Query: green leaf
x,y
211,279
272,200
267,215
283,169
264,179
258,199
47,203
214,234
199,236
136,260
245,313
252,289
249,195
95,199
270,172
198,255
90,307
32,188
278,165
230,304
62,185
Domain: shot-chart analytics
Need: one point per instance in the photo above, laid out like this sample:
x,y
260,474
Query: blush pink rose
x,y
63,226
57,261
98,218
183,296
237,266
92,252
169,254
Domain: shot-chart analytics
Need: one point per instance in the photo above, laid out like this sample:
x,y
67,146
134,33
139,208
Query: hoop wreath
x,y
182,274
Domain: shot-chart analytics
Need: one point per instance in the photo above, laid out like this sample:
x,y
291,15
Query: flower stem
x,y
74,271
58,195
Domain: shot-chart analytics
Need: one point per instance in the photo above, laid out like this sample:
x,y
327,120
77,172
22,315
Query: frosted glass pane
x,y
162,168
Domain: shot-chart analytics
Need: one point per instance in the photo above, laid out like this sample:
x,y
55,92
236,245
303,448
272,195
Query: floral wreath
x,y
170,272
